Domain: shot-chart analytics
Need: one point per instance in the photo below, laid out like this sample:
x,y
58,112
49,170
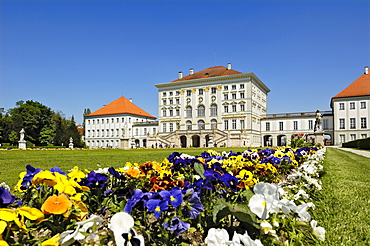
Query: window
x,y
137,132
341,106
117,120
201,111
171,112
171,93
342,124
226,124
145,131
129,120
164,113
213,90
233,124
364,135
164,102
233,87
241,86
295,125
353,136
213,124
93,122
242,124
177,112
188,125
281,126
233,107
188,92
171,127
112,120
177,125
97,133
363,104
177,93
242,107
123,120
241,94
171,101
267,126
177,100
352,123
351,105
154,130
164,94
342,138
226,88
226,96
233,96
310,124
213,110
188,111
117,133
200,125
200,91
325,124
363,123
102,132
164,127
112,133
226,109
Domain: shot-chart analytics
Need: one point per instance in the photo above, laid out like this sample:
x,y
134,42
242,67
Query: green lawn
x,y
344,205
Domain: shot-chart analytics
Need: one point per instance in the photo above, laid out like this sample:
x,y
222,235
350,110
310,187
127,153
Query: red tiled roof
x,y
209,72
121,106
359,87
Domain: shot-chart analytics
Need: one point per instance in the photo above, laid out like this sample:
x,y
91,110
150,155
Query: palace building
x,y
220,106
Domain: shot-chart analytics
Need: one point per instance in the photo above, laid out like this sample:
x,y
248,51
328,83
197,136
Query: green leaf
x,y
199,168
220,205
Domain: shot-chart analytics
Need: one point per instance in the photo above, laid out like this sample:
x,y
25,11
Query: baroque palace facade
x,y
220,106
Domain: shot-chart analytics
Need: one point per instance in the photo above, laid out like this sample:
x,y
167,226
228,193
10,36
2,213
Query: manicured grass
x,y
14,162
344,205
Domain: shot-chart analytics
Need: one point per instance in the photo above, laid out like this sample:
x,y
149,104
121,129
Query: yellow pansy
x,y
31,213
44,176
76,174
19,184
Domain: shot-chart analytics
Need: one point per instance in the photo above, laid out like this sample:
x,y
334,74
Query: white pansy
x,y
217,237
265,200
318,232
122,223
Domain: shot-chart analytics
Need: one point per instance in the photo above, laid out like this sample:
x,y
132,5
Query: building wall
x,y
351,118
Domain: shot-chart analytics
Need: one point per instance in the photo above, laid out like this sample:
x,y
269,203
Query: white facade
x,y
351,118
224,109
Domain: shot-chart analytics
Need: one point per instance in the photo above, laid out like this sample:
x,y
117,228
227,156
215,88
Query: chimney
x,y
130,99
366,70
180,75
191,71
228,66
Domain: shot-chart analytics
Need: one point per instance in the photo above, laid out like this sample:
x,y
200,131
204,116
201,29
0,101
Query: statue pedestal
x,y
319,138
22,144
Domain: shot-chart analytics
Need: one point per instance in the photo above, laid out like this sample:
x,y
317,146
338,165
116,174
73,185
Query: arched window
x,y
213,110
200,124
188,125
213,124
201,110
188,111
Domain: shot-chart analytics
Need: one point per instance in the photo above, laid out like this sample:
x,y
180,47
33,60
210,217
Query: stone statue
x,y
318,121
21,138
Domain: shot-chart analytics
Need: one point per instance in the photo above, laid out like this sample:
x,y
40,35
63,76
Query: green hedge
x,y
363,143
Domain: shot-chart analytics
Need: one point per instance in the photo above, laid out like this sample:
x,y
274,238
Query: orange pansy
x,y
56,204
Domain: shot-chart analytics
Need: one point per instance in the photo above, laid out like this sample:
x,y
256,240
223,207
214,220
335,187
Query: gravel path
x,y
356,151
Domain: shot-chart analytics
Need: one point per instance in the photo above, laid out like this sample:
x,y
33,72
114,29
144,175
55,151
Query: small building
x,y
351,110
119,124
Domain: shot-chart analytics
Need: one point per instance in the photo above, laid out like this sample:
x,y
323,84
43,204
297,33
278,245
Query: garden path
x,y
356,151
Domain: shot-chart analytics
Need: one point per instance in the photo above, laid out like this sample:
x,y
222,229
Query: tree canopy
x,y
42,125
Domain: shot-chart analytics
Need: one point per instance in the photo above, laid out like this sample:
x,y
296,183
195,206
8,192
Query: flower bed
x,y
258,197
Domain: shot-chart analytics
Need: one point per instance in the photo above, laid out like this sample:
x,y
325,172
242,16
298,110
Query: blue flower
x,y
5,197
230,181
138,194
177,226
116,174
157,206
195,206
57,170
94,180
174,196
31,172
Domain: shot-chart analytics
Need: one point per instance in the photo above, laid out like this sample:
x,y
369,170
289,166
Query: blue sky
x,y
71,55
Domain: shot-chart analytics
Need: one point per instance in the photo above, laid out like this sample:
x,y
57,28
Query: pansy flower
x,y
157,206
56,204
28,176
195,206
138,194
5,197
94,180
124,234
174,196
177,226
